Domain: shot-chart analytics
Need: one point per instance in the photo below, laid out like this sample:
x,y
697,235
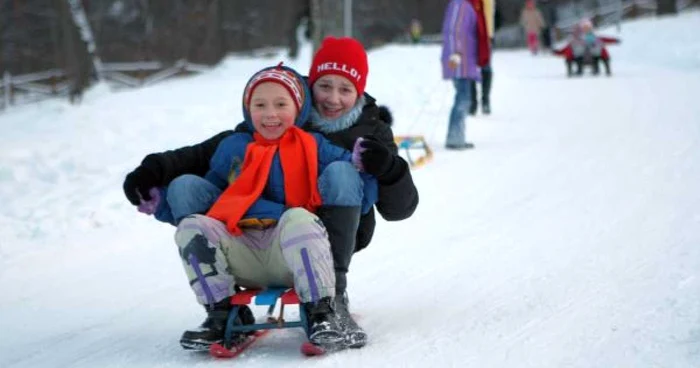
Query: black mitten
x,y
376,158
140,181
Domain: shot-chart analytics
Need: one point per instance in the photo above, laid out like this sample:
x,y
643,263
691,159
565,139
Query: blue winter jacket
x,y
226,163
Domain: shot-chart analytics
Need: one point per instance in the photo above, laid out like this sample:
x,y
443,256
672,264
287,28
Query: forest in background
x,y
37,35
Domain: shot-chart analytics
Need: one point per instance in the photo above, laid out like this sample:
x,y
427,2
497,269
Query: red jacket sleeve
x,y
565,51
609,40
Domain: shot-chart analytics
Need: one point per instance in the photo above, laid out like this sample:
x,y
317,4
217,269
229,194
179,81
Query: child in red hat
x,y
338,76
343,112
262,231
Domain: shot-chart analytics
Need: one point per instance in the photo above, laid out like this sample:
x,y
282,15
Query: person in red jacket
x,y
585,47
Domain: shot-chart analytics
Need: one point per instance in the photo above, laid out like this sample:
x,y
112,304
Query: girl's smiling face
x,y
334,95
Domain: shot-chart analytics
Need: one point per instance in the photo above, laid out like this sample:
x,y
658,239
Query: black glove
x,y
139,182
376,158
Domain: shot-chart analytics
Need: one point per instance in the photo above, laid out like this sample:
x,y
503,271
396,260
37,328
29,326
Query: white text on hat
x,y
342,67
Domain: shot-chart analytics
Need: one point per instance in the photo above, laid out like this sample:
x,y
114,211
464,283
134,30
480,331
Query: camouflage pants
x,y
294,253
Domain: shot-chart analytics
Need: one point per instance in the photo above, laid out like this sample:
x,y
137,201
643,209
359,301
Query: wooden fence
x,y
28,88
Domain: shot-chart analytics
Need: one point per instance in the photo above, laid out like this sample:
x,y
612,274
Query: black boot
x,y
569,67
486,78
341,223
579,65
596,65
355,336
460,147
606,64
212,329
323,325
473,105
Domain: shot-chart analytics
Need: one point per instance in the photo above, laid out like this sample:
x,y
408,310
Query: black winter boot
x,y
579,65
341,223
569,67
323,325
355,336
460,147
606,63
486,78
473,105
212,330
596,65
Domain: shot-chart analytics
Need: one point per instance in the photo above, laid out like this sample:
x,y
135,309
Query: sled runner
x,y
415,149
232,347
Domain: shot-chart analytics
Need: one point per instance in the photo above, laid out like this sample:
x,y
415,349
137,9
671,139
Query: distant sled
x,y
577,54
414,149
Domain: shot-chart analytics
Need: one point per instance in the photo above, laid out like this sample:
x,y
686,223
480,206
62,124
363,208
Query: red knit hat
x,y
280,75
343,56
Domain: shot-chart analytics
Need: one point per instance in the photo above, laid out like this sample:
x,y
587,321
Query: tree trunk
x,y
83,26
332,15
316,23
55,39
326,20
666,7
303,16
212,41
70,63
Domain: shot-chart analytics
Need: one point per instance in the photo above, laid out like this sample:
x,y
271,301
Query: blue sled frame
x,y
268,297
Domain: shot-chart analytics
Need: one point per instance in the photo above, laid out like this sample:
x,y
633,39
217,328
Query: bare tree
x,y
81,22
666,7
212,40
316,22
326,20
75,64
33,36
303,19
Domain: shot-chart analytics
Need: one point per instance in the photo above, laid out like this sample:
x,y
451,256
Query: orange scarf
x,y
299,158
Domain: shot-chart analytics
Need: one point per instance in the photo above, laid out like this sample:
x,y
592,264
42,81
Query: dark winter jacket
x,y
398,196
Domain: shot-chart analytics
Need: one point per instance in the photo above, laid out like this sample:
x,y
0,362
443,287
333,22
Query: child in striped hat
x,y
262,230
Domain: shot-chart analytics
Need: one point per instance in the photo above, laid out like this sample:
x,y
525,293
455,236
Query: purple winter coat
x,y
459,35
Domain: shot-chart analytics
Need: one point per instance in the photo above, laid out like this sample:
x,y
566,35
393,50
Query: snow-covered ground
x,y
570,237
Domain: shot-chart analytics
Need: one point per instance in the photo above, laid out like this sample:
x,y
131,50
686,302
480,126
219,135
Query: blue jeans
x,y
458,116
341,185
186,195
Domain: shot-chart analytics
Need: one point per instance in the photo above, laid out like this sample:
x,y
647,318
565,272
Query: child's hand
x,y
454,61
138,184
150,206
357,154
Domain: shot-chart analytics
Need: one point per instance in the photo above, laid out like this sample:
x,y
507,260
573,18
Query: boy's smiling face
x,y
272,110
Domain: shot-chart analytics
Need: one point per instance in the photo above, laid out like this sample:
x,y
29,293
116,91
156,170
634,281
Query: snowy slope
x,y
569,238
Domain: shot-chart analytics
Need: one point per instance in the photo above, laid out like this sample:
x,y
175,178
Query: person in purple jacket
x,y
459,63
